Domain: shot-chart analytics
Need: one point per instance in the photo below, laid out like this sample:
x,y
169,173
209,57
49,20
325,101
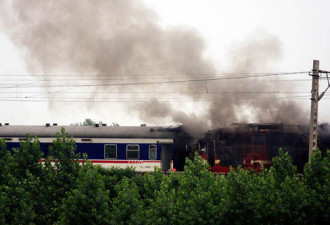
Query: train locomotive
x,y
252,145
143,148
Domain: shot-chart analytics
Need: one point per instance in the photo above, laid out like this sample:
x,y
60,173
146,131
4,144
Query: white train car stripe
x,y
138,165
103,140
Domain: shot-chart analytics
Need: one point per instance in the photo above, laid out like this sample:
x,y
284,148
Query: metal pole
x,y
314,109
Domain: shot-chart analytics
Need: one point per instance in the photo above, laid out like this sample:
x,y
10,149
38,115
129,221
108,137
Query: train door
x,y
166,157
210,152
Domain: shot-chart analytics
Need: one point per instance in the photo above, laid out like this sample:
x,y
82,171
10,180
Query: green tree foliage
x,y
3,149
6,160
33,190
20,172
149,184
162,208
113,176
195,194
317,180
64,151
88,203
237,202
63,191
24,159
17,202
87,122
282,167
60,173
187,197
317,172
127,207
90,122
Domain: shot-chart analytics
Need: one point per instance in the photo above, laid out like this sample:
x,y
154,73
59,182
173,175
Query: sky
x,y
168,45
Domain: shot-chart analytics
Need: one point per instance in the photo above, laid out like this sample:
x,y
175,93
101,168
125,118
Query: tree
x,y
317,181
20,179
282,167
90,122
87,122
89,202
288,194
17,201
60,172
28,156
188,197
128,207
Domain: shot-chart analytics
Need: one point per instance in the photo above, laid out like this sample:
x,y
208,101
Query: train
x,y
250,145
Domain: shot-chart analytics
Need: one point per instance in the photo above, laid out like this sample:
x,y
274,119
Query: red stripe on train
x,y
125,161
118,161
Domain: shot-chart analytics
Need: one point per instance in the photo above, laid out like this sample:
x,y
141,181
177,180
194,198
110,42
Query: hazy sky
x,y
201,37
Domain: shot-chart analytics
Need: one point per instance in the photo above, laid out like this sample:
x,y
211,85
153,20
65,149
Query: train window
x,y
132,151
48,150
152,151
110,151
243,140
259,140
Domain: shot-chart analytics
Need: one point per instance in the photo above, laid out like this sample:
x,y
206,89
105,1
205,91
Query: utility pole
x,y
314,105
314,109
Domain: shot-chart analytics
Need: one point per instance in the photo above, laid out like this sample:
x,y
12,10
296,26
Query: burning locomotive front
x,y
253,145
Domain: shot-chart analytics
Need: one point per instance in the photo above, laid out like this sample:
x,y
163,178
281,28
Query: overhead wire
x,y
156,82
159,92
48,83
152,75
136,100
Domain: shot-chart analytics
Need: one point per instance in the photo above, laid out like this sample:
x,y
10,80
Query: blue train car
x,y
143,148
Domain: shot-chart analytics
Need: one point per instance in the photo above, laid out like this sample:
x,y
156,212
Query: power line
x,y
79,80
152,75
158,82
158,92
135,101
22,86
142,99
133,98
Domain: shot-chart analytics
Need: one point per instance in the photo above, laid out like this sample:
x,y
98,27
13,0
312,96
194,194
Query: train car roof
x,y
91,131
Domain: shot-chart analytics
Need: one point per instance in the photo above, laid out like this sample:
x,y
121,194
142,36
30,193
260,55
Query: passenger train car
x,y
143,148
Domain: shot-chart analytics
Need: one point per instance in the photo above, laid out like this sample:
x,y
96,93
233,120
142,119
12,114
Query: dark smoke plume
x,y
122,37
